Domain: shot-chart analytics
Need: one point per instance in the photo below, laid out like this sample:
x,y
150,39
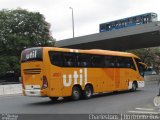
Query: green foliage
x,y
21,29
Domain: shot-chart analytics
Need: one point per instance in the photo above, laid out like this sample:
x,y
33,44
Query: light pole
x,y
72,20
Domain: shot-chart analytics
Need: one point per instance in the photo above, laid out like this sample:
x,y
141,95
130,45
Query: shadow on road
x,y
114,93
68,100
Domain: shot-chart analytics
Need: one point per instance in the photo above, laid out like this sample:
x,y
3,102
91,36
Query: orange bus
x,y
62,72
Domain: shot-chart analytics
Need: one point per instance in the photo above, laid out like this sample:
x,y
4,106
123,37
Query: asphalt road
x,y
140,101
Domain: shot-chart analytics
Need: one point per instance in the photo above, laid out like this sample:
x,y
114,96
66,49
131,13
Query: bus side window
x,y
69,59
109,61
98,61
55,58
102,28
83,60
129,63
138,20
130,20
125,62
123,23
112,26
107,27
120,63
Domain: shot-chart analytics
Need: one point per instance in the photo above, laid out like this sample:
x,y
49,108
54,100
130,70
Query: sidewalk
x,y
156,99
10,89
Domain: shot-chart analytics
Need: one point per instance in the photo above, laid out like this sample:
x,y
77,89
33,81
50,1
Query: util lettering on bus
x,y
81,76
31,55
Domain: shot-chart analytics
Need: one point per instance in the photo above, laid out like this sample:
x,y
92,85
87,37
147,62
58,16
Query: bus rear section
x,y
33,80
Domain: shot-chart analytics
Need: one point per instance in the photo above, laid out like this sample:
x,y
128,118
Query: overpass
x,y
140,36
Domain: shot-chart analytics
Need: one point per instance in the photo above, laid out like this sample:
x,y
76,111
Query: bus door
x,y
141,68
126,71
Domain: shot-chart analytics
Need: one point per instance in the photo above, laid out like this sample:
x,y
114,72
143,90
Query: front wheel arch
x,y
134,86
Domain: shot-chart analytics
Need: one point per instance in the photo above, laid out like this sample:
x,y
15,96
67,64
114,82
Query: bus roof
x,y
93,51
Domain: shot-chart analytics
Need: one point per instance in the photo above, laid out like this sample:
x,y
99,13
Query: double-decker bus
x,y
61,72
128,22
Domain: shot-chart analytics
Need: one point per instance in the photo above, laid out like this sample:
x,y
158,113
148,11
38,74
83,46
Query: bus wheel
x,y
134,87
88,92
53,98
76,93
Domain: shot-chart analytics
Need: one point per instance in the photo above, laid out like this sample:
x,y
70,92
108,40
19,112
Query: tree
x,y
21,29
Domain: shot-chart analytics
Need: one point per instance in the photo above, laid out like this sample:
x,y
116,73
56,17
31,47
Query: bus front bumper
x,y
141,84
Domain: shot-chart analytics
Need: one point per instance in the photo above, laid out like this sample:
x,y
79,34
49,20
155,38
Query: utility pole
x,y
72,20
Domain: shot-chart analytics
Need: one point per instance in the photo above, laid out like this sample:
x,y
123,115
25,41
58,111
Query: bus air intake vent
x,y
32,71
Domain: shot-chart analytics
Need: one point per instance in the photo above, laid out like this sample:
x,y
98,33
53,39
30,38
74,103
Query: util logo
x,y
81,76
31,55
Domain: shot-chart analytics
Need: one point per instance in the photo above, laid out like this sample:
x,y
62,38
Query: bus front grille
x,y
32,71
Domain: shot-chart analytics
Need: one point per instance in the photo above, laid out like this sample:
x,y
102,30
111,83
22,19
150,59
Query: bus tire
x,y
134,87
76,93
53,98
88,92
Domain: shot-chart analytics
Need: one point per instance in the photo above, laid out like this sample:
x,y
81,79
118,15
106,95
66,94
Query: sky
x,y
88,14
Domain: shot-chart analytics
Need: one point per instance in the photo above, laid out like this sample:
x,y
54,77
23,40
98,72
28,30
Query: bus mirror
x,y
144,65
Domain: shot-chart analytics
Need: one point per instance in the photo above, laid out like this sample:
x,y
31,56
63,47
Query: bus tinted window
x,y
108,27
69,59
83,60
56,58
32,54
125,62
109,61
141,68
102,28
98,61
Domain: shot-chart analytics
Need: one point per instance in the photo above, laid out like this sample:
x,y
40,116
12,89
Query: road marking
x,y
144,112
147,109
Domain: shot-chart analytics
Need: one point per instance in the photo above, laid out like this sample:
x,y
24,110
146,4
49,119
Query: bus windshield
x,y
141,67
32,54
154,17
